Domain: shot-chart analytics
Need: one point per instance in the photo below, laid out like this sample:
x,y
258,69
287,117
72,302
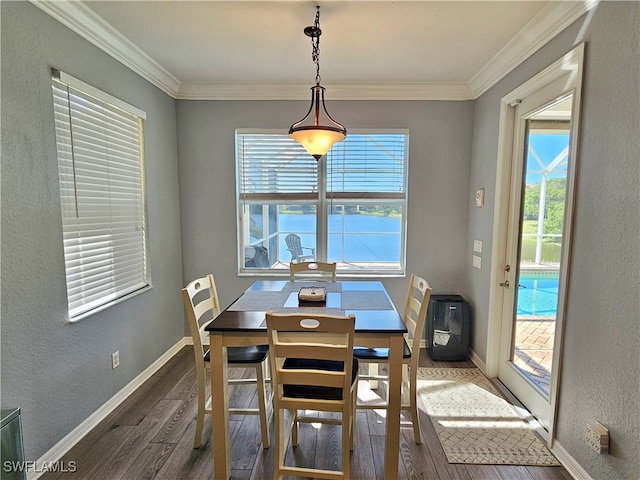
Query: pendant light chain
x,y
315,46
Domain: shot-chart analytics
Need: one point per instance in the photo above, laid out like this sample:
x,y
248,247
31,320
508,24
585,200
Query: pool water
x,y
538,294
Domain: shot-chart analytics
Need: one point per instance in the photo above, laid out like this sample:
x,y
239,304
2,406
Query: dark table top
x,y
367,300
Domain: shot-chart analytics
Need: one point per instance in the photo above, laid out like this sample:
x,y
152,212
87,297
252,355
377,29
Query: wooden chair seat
x,y
252,354
380,354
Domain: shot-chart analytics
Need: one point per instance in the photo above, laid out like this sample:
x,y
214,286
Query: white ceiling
x,y
373,49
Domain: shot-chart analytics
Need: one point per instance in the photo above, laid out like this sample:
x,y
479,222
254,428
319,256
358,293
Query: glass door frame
x,y
567,71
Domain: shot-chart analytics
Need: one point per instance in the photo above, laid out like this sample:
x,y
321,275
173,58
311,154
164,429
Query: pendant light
x,y
317,131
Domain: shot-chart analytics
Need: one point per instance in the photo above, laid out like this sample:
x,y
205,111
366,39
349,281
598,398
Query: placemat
x,y
296,286
256,300
370,300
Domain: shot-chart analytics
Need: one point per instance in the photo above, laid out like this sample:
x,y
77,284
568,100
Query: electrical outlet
x,y
115,359
597,437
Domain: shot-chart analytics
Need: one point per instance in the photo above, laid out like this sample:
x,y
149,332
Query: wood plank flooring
x,y
150,437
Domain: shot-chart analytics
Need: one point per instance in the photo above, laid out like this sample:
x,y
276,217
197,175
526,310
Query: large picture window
x,y
349,207
101,176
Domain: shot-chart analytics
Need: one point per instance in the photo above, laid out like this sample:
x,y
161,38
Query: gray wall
x,y
440,151
60,373
601,360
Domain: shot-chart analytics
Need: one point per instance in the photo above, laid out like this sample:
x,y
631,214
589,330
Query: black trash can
x,y
448,328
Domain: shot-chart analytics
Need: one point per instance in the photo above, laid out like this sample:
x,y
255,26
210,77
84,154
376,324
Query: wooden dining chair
x,y
312,270
312,368
414,315
201,304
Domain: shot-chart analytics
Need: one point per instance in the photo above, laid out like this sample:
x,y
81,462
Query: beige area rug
x,y
473,421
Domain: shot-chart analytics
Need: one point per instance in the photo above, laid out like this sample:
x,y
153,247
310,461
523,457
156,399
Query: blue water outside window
x,y
349,207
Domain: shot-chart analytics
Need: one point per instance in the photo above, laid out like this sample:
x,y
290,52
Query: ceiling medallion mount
x,y
317,131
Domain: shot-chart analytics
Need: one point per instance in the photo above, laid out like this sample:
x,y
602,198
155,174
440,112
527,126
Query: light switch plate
x,y
477,261
480,198
477,246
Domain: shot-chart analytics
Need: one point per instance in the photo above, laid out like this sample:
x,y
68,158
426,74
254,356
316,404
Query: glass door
x,y
535,269
543,194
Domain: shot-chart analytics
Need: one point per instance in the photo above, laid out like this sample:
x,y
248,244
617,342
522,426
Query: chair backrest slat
x,y
312,270
306,350
312,377
200,298
415,311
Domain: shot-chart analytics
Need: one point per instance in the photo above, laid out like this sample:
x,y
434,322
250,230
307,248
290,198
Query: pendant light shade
x,y
317,132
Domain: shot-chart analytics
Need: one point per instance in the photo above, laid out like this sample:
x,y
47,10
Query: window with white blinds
x,y
273,165
101,174
349,207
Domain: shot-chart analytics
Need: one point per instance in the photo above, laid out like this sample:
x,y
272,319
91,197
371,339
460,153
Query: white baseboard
x,y
569,463
73,437
477,361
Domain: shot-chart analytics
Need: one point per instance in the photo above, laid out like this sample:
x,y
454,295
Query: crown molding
x,y
550,21
83,21
543,27
404,91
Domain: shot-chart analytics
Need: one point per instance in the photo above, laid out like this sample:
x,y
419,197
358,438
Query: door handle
x,y
504,284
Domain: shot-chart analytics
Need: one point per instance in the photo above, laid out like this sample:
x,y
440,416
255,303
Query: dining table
x,y
378,324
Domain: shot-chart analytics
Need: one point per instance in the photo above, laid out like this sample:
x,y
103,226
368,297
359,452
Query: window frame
x,y
101,175
323,200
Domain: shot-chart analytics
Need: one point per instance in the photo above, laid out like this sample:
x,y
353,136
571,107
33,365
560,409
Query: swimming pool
x,y
538,294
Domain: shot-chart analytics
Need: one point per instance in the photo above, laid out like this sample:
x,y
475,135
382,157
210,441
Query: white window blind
x,y
368,166
101,176
362,166
275,166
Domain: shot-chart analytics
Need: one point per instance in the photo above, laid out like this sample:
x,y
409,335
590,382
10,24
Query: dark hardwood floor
x,y
150,436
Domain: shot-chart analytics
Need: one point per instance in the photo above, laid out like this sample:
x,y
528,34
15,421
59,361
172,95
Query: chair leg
x,y
352,423
281,443
295,428
373,369
413,406
201,411
406,397
347,439
262,404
